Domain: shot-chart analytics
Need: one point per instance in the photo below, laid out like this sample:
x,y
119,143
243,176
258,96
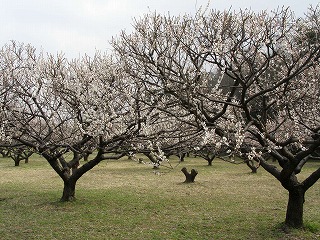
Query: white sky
x,y
76,27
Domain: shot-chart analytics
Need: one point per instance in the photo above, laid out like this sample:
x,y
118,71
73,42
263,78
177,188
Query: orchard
x,y
237,85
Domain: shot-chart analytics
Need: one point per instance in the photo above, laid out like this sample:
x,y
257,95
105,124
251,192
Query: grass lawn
x,y
126,200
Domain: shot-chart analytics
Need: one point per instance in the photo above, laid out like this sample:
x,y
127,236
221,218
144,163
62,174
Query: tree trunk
x,y
294,216
75,167
69,190
252,166
16,163
181,157
189,176
254,170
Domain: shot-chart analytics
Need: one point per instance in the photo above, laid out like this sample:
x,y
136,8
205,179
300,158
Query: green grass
x,y
126,200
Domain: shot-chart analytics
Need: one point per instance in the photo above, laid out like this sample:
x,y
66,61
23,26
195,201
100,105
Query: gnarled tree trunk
x,y
69,190
294,215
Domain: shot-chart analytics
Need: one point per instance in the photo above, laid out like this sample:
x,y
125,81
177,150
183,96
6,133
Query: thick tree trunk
x,y
16,163
189,176
69,190
294,216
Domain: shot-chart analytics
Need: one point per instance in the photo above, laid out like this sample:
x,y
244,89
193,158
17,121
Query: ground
x,y
127,200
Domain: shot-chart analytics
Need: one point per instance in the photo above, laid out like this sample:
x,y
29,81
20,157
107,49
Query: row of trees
x,y
239,82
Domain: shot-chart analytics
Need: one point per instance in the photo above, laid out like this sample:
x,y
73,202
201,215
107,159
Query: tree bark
x,y
189,176
252,166
69,190
181,156
294,215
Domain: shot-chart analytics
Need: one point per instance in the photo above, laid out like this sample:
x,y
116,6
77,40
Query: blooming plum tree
x,y
58,107
280,101
249,81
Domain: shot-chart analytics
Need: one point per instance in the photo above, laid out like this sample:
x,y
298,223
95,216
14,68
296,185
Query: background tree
x,y
162,136
18,153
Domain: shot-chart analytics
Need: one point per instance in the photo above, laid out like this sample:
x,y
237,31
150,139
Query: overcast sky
x,y
76,27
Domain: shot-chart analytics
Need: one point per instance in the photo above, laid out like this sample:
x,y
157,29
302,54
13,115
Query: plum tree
x,y
249,81
56,107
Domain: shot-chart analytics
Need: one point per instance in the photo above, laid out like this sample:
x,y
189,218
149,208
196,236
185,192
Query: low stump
x,y
189,176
